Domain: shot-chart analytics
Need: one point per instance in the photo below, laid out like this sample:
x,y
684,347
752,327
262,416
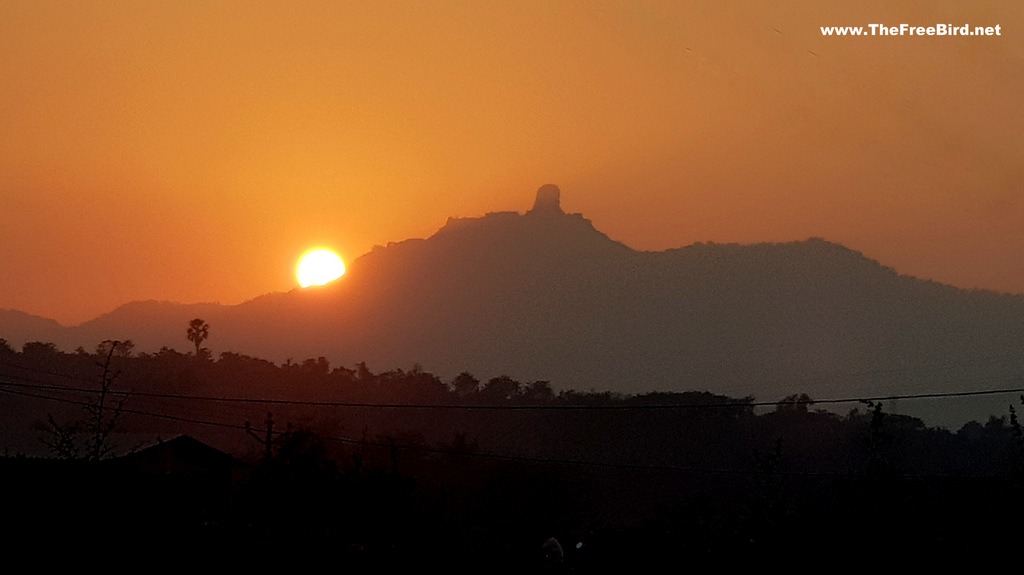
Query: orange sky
x,y
190,151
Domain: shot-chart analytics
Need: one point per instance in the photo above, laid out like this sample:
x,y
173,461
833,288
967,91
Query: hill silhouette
x,y
545,296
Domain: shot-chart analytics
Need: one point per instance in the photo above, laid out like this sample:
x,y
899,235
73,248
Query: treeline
x,y
526,418
402,464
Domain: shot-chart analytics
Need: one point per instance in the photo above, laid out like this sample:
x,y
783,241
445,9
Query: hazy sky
x,y
191,151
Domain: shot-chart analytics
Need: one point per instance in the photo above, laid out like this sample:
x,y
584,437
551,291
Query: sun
x,y
318,267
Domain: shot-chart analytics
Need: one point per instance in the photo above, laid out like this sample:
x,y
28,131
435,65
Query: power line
x,y
485,455
522,407
351,441
122,409
438,451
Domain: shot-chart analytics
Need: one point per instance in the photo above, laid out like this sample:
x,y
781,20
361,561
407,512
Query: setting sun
x,y
318,267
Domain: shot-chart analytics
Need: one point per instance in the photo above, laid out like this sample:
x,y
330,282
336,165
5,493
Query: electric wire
x,y
530,407
478,454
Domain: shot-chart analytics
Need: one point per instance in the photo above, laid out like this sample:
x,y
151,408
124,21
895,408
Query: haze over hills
x,y
545,296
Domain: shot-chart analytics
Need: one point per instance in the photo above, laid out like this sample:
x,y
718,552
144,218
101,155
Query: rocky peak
x,y
548,200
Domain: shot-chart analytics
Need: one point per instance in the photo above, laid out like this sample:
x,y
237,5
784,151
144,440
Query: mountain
x,y
17,327
545,296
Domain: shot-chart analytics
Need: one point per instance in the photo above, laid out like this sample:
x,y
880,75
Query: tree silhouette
x,y
102,413
198,332
465,384
117,348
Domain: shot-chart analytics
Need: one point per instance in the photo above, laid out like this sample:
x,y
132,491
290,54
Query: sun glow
x,y
318,267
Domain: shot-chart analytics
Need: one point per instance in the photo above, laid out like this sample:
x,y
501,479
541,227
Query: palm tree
x,y
198,331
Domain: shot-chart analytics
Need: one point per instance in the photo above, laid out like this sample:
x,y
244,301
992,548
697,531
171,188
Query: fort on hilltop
x,y
548,200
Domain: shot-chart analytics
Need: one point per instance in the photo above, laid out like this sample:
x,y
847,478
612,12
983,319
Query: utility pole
x,y
267,442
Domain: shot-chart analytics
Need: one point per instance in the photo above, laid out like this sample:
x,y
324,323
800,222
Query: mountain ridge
x,y
546,296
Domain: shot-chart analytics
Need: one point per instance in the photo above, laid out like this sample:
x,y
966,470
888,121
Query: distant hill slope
x,y
543,295
17,327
